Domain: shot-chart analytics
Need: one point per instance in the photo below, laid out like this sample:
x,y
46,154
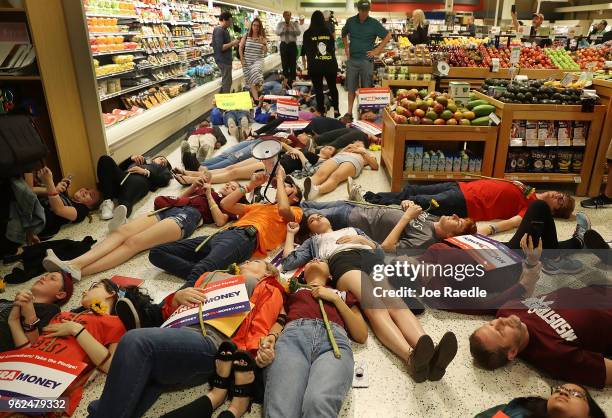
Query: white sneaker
x,y
119,218
106,210
310,190
354,191
203,151
52,263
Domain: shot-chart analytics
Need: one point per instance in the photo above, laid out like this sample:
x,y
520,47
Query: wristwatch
x,y
30,327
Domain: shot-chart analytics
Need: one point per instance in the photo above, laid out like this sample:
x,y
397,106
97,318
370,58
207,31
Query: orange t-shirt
x,y
271,227
107,329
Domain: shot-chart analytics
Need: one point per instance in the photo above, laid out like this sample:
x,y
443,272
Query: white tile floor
x,y
463,391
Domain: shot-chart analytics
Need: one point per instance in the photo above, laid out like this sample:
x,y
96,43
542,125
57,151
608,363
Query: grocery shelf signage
x,y
287,109
374,98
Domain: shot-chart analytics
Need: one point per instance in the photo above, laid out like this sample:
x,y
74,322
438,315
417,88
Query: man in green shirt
x,y
361,30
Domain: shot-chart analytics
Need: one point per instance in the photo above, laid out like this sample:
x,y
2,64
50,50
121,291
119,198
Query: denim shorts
x,y
358,70
186,217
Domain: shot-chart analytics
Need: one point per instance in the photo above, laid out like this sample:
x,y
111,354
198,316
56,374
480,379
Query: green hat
x,y
363,5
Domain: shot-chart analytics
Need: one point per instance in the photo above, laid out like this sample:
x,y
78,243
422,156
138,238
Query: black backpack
x,y
21,147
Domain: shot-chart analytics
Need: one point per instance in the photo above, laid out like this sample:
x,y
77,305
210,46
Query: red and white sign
x,y
29,372
274,97
490,254
367,127
223,298
374,98
295,125
287,108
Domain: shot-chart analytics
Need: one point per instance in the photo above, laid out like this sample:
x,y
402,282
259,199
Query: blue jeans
x,y
224,248
336,212
272,87
234,154
149,360
305,379
236,115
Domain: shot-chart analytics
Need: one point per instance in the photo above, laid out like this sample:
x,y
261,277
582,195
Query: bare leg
x,y
113,241
239,404
351,102
159,233
342,173
236,173
326,169
408,324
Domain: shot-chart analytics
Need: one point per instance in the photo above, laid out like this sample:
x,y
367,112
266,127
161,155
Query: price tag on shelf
x,y
494,119
515,55
495,65
567,79
579,142
550,142
411,176
564,142
450,176
577,179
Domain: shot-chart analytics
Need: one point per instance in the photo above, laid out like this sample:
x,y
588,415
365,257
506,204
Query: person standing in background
x,y
288,32
300,40
319,49
222,46
329,22
471,27
419,28
362,30
253,48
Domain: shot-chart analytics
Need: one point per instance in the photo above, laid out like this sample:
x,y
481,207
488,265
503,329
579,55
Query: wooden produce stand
x,y
599,175
510,112
394,141
430,85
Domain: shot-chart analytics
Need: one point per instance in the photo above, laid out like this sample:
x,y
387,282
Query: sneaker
x,y
119,218
601,201
583,224
310,190
562,265
203,151
52,263
232,128
125,310
354,191
106,210
419,359
185,148
594,241
443,354
244,126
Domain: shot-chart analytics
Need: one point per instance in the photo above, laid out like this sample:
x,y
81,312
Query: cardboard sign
x,y
223,298
296,125
287,109
490,254
367,127
30,372
274,97
374,98
234,101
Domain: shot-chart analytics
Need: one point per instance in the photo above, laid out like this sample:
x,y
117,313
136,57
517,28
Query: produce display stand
x,y
599,175
430,85
539,112
395,137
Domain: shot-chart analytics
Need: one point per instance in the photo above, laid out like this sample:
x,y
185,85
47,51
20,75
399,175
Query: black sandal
x,y
181,179
245,390
225,352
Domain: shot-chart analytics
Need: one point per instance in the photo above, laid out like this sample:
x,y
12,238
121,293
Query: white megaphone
x,y
268,151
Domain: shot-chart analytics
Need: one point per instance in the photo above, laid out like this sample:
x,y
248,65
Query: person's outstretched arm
x,y
412,212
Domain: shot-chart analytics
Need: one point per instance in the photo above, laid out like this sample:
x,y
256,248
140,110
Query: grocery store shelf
x,y
123,51
88,14
134,88
100,77
154,67
545,177
439,175
181,38
113,33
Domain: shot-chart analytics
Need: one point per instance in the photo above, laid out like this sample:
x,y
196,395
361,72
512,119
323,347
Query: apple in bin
x,y
404,102
439,121
412,96
426,121
412,106
399,118
420,113
438,108
415,120
452,121
401,94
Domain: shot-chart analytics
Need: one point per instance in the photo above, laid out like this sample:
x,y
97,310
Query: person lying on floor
x,y
145,175
305,378
565,400
201,144
346,164
259,229
559,333
392,228
197,205
295,162
88,335
37,306
187,356
481,200
238,122
340,138
61,209
352,256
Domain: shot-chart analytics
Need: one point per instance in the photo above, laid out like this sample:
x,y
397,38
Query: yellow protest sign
x,y
234,101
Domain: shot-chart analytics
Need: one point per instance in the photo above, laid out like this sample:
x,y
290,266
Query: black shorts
x,y
360,259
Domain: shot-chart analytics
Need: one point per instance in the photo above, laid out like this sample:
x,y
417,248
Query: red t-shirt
x,y
202,131
494,199
107,329
301,304
569,332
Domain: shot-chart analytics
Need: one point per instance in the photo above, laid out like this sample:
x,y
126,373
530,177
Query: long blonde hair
x,y
418,18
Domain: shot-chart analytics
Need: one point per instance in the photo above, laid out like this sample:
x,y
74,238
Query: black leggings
x,y
110,177
317,84
340,138
270,127
539,211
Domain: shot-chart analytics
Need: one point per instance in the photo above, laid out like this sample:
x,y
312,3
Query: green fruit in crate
x,y
446,115
481,121
483,110
426,121
469,115
431,115
465,122
452,107
423,93
442,100
473,103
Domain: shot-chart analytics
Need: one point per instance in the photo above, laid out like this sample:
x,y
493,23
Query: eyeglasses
x,y
571,392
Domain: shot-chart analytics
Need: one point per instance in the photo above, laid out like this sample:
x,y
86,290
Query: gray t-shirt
x,y
377,223
221,37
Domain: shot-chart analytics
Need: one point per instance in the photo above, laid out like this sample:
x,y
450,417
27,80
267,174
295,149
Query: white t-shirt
x,y
300,38
327,243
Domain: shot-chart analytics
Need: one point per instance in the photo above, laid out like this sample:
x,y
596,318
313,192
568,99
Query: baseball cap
x,y
68,288
363,5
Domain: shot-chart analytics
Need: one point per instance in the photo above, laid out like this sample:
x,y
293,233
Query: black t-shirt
x,y
319,48
44,311
419,35
54,222
290,164
321,124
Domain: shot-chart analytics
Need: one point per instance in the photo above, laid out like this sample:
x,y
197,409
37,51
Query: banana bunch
x,y
404,42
